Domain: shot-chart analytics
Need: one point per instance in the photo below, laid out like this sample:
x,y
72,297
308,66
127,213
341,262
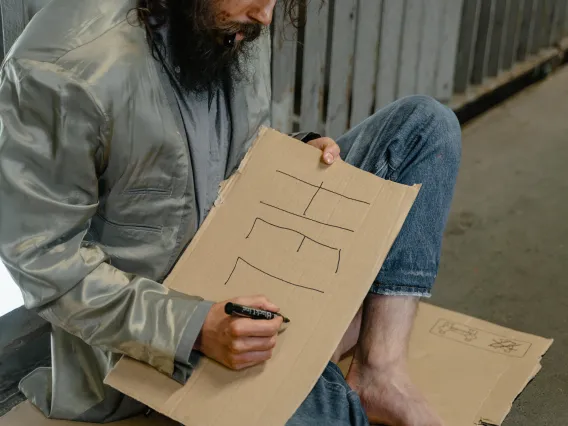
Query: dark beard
x,y
203,55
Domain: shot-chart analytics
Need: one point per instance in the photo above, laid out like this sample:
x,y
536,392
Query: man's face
x,y
207,39
233,13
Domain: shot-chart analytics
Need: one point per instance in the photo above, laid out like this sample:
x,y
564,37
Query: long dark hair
x,y
158,11
207,60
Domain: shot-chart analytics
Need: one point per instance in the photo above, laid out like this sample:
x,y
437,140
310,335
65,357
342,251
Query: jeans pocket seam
x,y
334,386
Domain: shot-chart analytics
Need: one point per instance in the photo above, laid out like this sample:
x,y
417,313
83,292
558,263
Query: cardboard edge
x,y
505,394
261,132
226,185
128,365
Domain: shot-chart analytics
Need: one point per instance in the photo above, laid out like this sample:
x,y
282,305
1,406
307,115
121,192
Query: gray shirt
x,y
208,142
207,125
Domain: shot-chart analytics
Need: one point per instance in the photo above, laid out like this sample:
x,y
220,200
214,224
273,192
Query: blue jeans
x,y
413,140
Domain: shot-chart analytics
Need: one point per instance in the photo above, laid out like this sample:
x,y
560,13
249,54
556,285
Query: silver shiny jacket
x,y
97,199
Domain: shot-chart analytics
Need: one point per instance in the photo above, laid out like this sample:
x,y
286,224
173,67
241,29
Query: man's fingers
x,y
248,359
246,327
331,153
252,344
258,301
322,143
330,149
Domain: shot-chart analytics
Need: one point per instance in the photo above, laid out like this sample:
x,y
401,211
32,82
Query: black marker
x,y
253,313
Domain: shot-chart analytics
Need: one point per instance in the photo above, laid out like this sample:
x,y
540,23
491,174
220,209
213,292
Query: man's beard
x,y
204,55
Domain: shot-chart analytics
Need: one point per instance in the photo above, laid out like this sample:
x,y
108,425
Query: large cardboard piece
x,y
310,237
470,370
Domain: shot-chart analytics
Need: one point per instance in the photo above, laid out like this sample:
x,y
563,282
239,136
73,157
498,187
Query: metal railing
x,y
354,56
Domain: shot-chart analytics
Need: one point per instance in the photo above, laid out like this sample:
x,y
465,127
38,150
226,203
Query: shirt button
x,y
177,70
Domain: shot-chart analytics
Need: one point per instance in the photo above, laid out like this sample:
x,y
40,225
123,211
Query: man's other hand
x,y
238,342
330,149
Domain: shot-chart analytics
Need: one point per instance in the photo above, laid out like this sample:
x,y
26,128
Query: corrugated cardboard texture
x,y
309,236
470,370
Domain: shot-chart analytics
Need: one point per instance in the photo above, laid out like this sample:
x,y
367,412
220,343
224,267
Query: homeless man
x,y
118,121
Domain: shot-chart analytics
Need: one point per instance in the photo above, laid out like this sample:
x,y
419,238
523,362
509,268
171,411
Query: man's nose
x,y
263,12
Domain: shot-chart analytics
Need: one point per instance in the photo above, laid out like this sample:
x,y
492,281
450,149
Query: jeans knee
x,y
435,120
404,128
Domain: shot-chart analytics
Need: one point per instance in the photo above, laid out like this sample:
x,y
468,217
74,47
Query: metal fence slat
x,y
448,50
340,78
534,45
527,29
500,22
482,46
389,51
410,48
540,19
466,45
548,21
558,21
430,46
284,48
562,20
366,59
512,34
313,72
565,32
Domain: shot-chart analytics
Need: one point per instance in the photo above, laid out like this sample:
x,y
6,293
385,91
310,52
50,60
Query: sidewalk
x,y
505,254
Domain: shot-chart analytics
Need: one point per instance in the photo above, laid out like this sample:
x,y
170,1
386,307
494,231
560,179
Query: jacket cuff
x,y
186,358
305,136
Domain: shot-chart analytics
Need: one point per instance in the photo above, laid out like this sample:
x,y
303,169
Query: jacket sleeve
x,y
54,136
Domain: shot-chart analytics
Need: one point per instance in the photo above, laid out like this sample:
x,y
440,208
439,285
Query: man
x,y
118,121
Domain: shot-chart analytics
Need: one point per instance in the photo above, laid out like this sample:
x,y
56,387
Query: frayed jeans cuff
x,y
400,290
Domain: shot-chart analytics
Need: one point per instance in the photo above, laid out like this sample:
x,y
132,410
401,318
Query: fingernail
x,y
328,158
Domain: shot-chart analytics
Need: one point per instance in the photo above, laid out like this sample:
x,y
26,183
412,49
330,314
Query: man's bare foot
x,y
349,339
389,397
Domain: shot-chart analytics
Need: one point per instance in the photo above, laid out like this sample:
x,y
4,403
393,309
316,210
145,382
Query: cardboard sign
x,y
312,238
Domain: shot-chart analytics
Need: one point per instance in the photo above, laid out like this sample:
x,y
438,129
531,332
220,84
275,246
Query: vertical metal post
x,y
366,59
466,44
482,47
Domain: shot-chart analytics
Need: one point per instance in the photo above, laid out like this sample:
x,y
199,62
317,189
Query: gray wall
x,y
355,56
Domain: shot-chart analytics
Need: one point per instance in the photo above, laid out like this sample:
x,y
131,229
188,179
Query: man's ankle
x,y
381,363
